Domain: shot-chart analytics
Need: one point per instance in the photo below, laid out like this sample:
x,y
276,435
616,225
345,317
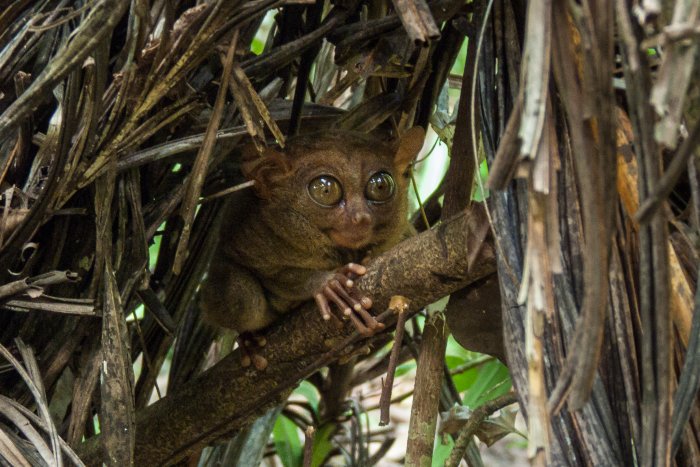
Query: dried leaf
x,y
495,428
454,419
117,419
11,452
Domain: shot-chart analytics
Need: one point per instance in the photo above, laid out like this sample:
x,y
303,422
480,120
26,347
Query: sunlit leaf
x,y
309,392
460,61
405,368
442,451
323,445
491,382
287,442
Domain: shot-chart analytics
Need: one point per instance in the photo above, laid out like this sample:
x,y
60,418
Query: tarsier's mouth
x,y
346,239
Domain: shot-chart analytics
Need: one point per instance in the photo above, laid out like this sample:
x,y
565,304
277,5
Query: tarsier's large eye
x,y
325,190
380,187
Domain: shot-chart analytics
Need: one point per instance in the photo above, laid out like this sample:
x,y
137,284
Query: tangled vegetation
x,y
564,230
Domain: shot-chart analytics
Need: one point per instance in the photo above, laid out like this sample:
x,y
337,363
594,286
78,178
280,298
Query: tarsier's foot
x,y
250,344
352,304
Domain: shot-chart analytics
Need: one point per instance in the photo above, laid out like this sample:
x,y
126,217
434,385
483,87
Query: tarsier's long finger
x,y
340,290
366,303
353,297
323,306
359,301
353,270
370,320
340,303
344,280
361,328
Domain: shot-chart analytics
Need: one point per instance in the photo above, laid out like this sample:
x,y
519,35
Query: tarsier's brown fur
x,y
282,248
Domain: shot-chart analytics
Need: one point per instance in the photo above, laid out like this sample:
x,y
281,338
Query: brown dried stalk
x,y
398,305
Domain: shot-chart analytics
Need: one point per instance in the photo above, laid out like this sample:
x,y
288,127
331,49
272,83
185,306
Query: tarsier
x,y
323,206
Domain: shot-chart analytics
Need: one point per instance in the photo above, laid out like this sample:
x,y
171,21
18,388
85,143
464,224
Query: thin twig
x,y
399,305
479,415
668,180
201,165
308,445
421,208
227,191
37,283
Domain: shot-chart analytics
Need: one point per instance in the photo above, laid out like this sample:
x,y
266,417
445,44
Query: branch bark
x,y
227,397
426,393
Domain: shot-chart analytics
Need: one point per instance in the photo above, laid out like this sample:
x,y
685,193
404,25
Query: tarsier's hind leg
x,y
232,298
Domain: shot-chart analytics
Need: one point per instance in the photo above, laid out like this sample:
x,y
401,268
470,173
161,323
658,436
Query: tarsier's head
x,y
350,186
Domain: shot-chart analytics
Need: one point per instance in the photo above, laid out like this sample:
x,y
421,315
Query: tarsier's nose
x,y
360,218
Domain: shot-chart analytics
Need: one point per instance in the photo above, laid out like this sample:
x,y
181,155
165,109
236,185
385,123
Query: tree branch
x,y
227,397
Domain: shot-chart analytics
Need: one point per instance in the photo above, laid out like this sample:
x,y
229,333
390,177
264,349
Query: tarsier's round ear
x,y
409,145
265,168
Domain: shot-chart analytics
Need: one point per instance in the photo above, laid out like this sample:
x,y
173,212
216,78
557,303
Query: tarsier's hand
x,y
352,304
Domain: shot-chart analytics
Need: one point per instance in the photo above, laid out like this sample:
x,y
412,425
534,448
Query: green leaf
x,y
453,361
257,46
154,248
322,445
477,194
308,391
442,451
465,380
287,442
461,60
492,381
405,368
456,350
